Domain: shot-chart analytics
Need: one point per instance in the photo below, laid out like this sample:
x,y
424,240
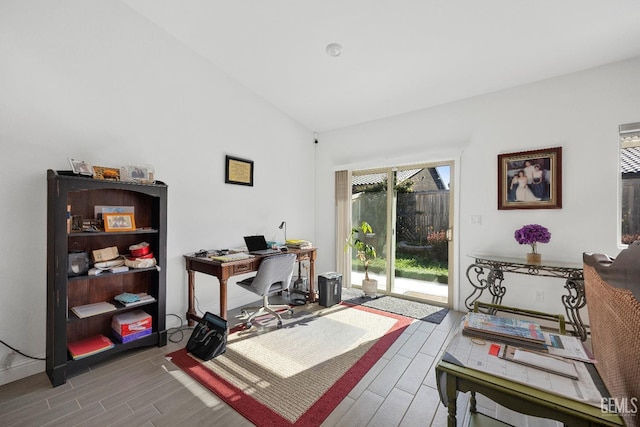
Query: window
x,y
629,183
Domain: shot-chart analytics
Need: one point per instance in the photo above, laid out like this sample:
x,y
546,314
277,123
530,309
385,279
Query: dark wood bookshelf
x,y
64,291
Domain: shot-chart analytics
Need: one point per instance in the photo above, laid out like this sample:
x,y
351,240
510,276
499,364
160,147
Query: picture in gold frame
x,y
119,222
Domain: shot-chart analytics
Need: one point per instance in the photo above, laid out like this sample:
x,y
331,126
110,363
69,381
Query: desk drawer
x,y
243,268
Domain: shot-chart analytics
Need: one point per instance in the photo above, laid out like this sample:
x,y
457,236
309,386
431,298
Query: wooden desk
x,y
224,270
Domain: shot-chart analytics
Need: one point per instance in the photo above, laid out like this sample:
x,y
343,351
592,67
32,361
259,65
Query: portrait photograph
x,y
530,179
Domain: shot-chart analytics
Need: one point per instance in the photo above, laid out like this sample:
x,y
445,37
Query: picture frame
x,y
81,167
143,174
100,210
111,174
119,222
238,171
530,179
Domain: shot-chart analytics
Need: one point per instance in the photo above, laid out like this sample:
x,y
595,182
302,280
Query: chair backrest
x,y
611,288
274,269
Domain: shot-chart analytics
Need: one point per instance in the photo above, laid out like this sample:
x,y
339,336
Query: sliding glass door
x,y
410,211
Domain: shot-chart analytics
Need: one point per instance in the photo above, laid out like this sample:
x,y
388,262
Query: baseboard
x,y
21,370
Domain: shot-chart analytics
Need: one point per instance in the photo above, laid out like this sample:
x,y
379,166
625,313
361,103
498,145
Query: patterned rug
x,y
296,375
414,309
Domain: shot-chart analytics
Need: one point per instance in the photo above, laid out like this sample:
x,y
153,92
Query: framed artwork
x,y
101,172
238,171
119,222
530,179
81,167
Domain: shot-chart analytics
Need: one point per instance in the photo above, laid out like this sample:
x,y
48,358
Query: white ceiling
x,y
399,55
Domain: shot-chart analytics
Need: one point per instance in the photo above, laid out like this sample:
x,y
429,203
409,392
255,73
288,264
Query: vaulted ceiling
x,y
398,55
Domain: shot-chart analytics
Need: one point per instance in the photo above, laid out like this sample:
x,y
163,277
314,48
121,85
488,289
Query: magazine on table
x,y
518,332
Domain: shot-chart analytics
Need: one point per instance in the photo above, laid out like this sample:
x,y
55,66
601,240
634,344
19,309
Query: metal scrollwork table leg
x,y
573,302
493,283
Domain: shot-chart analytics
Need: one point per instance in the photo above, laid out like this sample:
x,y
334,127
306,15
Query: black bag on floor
x,y
209,338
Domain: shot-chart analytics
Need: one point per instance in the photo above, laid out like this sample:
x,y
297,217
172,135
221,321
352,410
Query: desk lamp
x,y
283,226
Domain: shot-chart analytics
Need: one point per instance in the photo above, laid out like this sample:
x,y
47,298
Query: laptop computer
x,y
257,245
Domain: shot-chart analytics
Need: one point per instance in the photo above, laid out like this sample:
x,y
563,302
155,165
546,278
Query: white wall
x,y
93,80
579,112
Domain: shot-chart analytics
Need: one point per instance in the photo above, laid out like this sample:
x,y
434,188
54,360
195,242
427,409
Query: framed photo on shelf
x,y
137,173
119,222
101,172
100,210
530,179
81,167
238,171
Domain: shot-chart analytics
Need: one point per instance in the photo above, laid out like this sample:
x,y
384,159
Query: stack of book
x,y
299,244
517,332
89,346
89,310
130,300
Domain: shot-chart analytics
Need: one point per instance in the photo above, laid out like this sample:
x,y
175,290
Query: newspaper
x,y
566,346
482,355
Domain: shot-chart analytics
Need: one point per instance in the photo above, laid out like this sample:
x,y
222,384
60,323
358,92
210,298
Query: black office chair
x,y
274,275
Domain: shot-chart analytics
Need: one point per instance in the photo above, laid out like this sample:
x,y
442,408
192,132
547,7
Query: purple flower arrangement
x,y
532,234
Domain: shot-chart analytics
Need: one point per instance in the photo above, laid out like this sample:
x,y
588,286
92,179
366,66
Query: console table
x,y
224,270
496,265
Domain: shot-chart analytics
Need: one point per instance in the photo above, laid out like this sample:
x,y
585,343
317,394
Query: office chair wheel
x,y
279,324
248,325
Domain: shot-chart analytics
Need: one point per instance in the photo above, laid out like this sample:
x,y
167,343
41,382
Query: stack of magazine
x,y
517,332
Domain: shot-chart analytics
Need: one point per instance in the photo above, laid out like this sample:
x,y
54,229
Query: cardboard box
x,y
131,322
106,254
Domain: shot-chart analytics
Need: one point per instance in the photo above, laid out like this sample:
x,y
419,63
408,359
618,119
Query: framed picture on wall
x,y
530,179
238,171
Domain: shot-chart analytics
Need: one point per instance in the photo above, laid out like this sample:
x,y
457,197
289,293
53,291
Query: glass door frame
x,y
391,206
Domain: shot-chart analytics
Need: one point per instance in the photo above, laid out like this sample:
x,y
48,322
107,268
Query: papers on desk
x,y
566,346
478,355
231,257
298,244
553,364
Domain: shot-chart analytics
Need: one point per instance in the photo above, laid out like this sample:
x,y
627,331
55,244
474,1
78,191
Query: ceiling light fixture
x,y
334,49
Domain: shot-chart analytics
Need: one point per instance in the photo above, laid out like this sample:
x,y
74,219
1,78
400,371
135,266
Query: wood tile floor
x,y
142,388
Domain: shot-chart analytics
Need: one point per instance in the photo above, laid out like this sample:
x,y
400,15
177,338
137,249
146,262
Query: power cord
x,y
171,332
198,309
21,353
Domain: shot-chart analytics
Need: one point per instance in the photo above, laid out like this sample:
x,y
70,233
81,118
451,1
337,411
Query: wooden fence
x,y
419,214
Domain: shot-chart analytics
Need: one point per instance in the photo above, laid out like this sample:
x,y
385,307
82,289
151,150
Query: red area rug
x,y
296,375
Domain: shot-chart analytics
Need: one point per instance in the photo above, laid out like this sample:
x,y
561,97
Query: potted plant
x,y
365,253
533,234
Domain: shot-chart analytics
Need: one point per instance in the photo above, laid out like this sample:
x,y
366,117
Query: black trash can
x,y
329,289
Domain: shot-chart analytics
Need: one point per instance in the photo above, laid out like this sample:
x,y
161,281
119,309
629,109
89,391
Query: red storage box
x,y
130,323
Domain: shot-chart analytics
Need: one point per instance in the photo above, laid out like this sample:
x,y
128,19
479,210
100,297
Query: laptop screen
x,y
255,243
